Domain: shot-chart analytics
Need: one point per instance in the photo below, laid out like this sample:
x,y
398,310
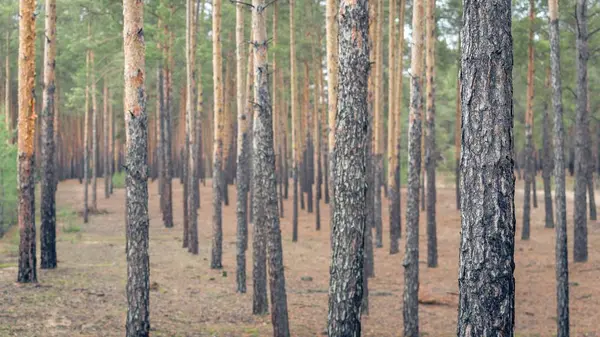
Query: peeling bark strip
x,y
217,232
411,255
562,262
486,272
136,119
25,166
266,214
48,186
349,171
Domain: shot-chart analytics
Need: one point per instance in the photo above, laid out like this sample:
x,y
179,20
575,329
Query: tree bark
x,y
349,171
217,225
166,113
94,133
486,271
191,116
457,129
431,153
582,137
378,120
411,256
106,135
331,28
86,132
265,185
242,178
295,121
547,164
529,155
25,166
48,184
562,262
136,118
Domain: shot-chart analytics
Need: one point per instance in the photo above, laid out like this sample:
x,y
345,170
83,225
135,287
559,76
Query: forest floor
x,y
85,296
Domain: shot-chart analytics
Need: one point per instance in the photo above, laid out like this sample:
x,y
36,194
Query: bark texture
x,y
25,147
48,185
430,145
191,115
529,154
295,122
411,255
349,171
486,268
136,119
265,184
582,137
562,262
547,161
243,151
331,28
217,225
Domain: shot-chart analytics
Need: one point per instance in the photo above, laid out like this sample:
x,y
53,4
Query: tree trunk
x,y
166,113
94,133
529,155
547,164
582,137
562,262
217,225
48,184
26,137
265,187
411,255
431,153
378,119
160,97
486,271
349,171
243,148
295,121
191,128
106,134
457,129
136,118
331,28
7,85
86,133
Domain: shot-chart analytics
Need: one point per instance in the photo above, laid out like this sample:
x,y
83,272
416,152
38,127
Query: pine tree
x,y
25,165
296,153
48,185
487,301
529,153
136,118
430,144
349,171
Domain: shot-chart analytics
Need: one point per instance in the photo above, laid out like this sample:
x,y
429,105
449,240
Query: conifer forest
x,y
299,168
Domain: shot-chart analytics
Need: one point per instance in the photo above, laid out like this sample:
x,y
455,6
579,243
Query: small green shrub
x,y
8,179
119,180
70,228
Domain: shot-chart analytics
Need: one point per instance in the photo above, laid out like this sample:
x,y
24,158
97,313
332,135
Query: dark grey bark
x,y
591,196
395,212
547,166
137,221
265,184
582,137
186,192
528,171
377,181
160,105
562,262
349,171
105,125
48,183
533,170
167,190
486,272
295,200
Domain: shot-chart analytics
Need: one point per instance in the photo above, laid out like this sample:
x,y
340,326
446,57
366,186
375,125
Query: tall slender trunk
x,y
331,27
529,155
265,188
191,128
371,93
295,121
411,255
48,184
7,84
106,134
318,135
86,133
591,166
349,171
378,119
159,131
547,163
431,153
136,118
166,113
26,137
457,129
217,226
94,132
562,262
243,148
487,301
582,137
